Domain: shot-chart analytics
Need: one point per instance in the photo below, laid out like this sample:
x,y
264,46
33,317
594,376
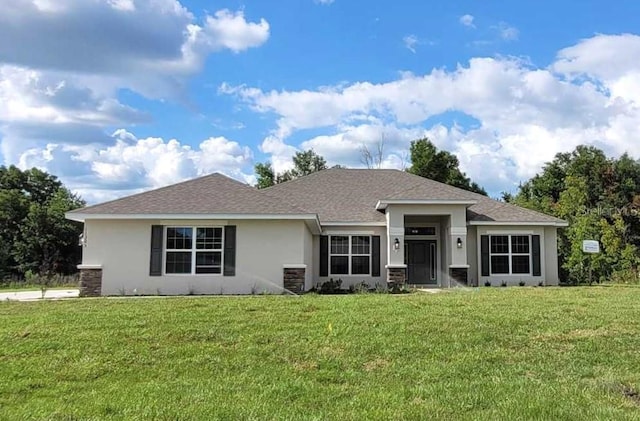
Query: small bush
x,y
522,283
541,283
503,284
629,277
331,287
359,288
487,283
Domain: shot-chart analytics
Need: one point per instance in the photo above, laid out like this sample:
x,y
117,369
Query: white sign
x,y
591,246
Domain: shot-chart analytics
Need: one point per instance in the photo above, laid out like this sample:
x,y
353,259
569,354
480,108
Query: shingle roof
x,y
335,195
351,195
211,194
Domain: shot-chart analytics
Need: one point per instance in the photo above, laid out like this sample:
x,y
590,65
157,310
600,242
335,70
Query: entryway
x,y
421,258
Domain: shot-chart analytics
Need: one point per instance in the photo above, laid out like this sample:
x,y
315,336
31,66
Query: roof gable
x,y
211,194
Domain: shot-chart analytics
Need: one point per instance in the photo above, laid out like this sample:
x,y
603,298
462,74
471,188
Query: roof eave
x,y
520,223
82,217
382,204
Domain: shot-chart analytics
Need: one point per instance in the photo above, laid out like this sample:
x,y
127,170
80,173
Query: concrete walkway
x,y
35,295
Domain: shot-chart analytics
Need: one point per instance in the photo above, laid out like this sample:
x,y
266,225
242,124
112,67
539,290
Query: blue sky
x,y
118,96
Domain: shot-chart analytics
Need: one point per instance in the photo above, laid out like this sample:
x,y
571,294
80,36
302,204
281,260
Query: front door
x,y
422,262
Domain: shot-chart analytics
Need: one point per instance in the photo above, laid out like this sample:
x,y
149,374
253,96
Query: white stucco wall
x,y
122,248
548,255
348,280
308,259
472,255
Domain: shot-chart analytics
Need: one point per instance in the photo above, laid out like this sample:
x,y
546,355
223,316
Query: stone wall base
x,y
396,277
294,279
90,282
459,276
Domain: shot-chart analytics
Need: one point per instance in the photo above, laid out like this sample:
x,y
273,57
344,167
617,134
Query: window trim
x,y
351,255
193,250
510,254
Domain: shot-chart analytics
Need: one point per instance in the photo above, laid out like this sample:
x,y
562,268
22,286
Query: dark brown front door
x,y
421,259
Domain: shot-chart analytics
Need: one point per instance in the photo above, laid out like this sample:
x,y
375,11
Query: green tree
x,y
598,196
427,161
34,235
304,163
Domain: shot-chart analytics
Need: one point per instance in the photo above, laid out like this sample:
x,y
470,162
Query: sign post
x,y
590,247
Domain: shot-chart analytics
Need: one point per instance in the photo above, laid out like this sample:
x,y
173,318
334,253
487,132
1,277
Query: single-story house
x,y
216,235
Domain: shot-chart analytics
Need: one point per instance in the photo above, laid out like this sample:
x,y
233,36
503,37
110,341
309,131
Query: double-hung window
x,y
350,255
193,250
510,254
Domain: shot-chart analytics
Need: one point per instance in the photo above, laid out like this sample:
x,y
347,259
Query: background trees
x,y
600,197
304,163
427,161
34,235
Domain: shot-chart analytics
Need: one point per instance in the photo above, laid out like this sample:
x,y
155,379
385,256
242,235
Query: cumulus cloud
x,y
324,2
129,164
467,20
524,114
64,63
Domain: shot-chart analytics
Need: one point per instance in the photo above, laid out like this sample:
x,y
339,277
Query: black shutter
x,y
324,255
230,250
484,254
375,255
535,247
155,262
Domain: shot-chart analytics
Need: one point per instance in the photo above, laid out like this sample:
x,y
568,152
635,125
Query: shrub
x,y
522,283
331,287
359,288
503,284
487,283
628,276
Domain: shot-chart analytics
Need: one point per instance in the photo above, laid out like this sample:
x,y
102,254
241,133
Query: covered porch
x,y
427,243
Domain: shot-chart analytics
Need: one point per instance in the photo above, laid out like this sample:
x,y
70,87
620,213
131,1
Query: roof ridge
x,y
188,181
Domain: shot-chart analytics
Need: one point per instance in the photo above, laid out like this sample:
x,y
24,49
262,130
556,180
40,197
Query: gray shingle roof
x,y
212,194
335,195
351,195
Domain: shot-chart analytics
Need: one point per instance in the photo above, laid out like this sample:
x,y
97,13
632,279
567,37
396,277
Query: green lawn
x,y
492,353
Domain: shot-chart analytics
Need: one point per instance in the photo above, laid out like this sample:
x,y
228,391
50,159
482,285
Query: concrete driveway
x,y
35,295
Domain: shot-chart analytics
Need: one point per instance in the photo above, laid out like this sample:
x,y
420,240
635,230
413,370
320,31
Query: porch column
x,y
458,267
396,267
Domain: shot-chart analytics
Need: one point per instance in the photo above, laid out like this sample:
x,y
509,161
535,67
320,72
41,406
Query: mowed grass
x,y
492,353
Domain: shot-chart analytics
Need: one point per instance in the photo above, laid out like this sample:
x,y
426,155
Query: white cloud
x,y
467,20
410,41
523,115
324,2
129,164
64,63
507,32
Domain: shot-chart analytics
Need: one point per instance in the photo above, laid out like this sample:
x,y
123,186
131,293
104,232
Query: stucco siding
x,y
551,256
472,255
308,258
122,248
548,255
348,280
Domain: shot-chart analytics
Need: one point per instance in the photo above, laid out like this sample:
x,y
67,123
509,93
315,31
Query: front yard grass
x,y
491,353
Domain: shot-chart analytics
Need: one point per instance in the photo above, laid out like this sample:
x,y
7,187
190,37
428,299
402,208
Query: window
x,y
193,250
350,255
510,254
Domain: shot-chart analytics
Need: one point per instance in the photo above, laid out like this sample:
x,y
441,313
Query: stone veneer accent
x,y
294,279
396,277
458,275
90,282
